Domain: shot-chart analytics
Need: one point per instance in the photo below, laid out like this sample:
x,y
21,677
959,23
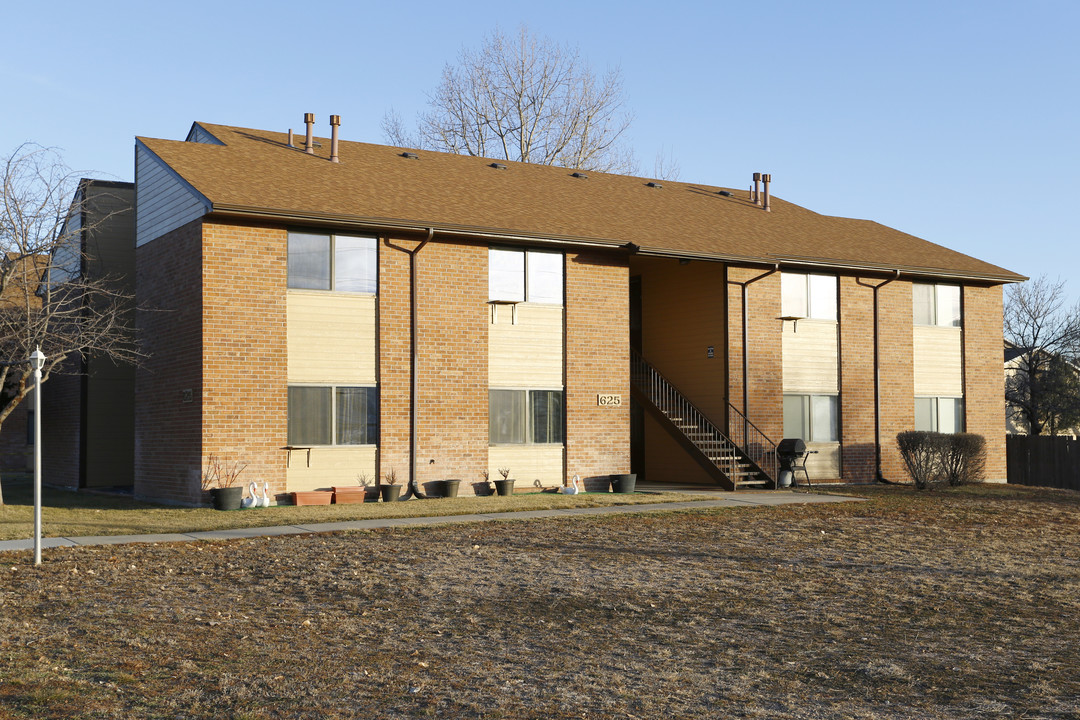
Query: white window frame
x,y
810,404
334,415
935,414
516,275
801,295
333,281
938,308
527,421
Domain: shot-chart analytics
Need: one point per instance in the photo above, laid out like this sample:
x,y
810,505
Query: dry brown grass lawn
x,y
952,604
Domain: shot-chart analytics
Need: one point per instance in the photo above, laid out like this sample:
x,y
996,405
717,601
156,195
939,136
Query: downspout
x,y
877,375
414,360
744,286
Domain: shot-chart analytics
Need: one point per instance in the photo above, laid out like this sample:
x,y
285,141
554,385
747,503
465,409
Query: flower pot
x,y
312,497
623,483
227,498
390,493
349,495
450,488
504,487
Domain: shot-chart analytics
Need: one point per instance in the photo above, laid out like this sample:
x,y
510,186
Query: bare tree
x,y
524,98
1043,386
46,300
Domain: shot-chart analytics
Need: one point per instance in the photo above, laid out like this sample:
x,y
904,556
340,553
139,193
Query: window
x,y
525,276
814,418
939,414
333,415
344,263
525,416
808,296
936,304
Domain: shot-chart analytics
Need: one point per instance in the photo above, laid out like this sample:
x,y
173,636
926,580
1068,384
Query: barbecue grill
x,y
791,454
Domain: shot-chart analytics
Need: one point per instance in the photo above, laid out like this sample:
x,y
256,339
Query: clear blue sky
x,y
954,120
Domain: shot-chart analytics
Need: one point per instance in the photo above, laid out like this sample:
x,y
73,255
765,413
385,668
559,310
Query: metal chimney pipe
x,y
335,121
309,144
767,179
757,192
290,138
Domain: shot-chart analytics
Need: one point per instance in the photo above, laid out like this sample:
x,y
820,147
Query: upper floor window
x,y
808,296
936,304
525,276
321,261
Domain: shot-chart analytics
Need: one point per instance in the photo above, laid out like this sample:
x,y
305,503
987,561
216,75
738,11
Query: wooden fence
x,y
1043,461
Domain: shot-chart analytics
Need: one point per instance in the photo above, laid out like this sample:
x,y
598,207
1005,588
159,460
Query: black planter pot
x,y
504,487
623,483
227,498
450,488
390,493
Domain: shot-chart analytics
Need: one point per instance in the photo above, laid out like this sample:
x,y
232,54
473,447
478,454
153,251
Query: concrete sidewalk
x,y
746,499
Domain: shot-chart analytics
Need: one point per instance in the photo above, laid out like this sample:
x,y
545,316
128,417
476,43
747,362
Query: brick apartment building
x,y
325,311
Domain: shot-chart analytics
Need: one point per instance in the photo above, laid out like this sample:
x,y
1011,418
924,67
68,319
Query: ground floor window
x,y
939,414
813,418
329,415
525,416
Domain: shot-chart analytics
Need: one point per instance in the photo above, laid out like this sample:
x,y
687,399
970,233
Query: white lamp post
x,y
37,361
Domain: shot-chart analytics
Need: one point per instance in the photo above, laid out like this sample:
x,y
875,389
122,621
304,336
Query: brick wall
x,y
452,334
897,374
597,362
244,357
15,454
857,429
984,387
764,349
168,444
61,416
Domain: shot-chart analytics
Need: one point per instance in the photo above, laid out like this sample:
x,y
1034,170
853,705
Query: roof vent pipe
x,y
309,144
767,179
756,196
290,138
335,121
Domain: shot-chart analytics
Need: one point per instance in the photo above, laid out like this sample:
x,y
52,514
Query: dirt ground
x,y
912,605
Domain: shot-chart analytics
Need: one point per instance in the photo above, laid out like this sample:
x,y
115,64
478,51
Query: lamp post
x,y
37,361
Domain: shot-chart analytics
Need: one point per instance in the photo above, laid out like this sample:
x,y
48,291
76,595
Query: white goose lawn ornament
x,y
264,501
252,501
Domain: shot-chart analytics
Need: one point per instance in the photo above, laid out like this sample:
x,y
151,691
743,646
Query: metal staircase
x,y
742,458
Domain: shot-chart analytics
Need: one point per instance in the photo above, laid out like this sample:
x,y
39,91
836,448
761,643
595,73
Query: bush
x,y
933,457
921,450
963,459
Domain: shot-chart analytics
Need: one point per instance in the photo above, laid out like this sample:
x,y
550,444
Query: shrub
x,y
963,458
922,451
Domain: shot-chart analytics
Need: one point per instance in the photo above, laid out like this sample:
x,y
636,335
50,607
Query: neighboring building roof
x,y
255,173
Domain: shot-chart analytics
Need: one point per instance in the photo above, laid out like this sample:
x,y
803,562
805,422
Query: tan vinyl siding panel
x,y
330,466
810,357
528,353
824,464
164,202
527,464
938,362
331,338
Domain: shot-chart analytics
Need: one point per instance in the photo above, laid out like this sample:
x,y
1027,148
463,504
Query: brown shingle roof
x,y
254,172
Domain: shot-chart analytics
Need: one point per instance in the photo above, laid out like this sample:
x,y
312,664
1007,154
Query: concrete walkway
x,y
728,500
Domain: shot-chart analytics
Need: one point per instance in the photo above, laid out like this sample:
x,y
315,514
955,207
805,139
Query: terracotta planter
x,y
504,487
390,493
623,483
349,495
450,488
312,497
227,498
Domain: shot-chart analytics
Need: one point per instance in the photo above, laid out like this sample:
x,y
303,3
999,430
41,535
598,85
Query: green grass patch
x,y
73,514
